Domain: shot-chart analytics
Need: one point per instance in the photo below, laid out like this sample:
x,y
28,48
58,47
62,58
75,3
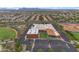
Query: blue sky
x,y
39,3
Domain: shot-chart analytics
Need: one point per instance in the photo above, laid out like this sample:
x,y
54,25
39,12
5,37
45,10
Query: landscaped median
x,y
76,35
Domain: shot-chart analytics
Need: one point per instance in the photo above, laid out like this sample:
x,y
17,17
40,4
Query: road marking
x,y
33,44
67,45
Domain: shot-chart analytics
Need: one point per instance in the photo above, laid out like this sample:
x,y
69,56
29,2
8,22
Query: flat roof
x,y
50,32
32,31
48,27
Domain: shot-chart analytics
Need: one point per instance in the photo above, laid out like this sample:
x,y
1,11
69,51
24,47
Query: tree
x,y
18,46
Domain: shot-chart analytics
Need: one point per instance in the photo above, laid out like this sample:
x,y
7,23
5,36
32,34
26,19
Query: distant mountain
x,y
32,9
7,9
39,9
63,7
48,9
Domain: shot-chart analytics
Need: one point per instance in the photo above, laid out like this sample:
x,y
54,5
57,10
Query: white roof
x,y
32,31
35,29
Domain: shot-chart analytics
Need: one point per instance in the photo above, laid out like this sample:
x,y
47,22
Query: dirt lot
x,y
71,27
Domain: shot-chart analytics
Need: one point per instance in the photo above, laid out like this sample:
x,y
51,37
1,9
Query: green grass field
x,y
73,35
76,34
7,33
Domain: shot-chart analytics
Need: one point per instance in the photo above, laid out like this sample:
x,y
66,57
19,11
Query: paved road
x,y
60,46
56,45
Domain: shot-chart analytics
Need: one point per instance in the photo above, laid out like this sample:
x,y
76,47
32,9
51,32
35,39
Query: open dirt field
x,y
71,27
